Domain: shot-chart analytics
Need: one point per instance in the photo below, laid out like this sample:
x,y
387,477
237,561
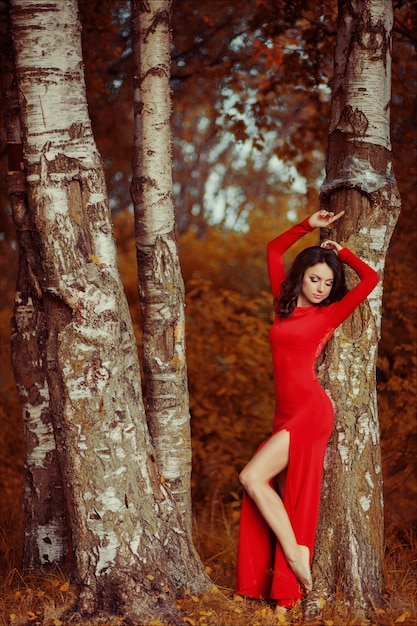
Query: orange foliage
x,y
397,369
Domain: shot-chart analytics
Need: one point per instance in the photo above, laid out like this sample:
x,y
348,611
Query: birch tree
x,y
349,547
45,539
161,286
132,553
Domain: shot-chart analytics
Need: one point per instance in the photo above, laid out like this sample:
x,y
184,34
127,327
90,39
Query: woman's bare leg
x,y
268,462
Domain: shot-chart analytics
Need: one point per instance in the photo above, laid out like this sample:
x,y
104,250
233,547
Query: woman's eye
x,y
313,279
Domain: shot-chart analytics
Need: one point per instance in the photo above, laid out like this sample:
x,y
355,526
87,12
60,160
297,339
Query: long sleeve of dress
x,y
369,278
276,249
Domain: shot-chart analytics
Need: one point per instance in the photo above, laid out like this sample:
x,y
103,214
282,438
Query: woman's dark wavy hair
x,y
286,301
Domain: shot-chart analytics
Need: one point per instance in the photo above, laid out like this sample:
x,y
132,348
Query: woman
x,y
283,480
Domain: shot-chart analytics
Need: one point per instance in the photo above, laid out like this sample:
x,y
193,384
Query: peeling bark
x,y
46,535
349,547
132,554
161,286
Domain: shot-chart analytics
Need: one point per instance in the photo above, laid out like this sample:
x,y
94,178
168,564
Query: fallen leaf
x,y
401,618
321,603
150,577
64,587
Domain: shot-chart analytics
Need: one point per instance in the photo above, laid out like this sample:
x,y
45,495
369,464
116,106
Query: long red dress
x,y
303,409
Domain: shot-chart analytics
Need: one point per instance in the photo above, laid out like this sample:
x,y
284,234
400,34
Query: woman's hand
x,y
331,245
323,219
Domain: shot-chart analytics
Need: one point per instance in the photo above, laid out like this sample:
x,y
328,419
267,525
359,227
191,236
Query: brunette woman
x,y
283,480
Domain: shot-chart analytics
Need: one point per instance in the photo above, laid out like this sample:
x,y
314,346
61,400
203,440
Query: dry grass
x,y
217,545
41,600
35,599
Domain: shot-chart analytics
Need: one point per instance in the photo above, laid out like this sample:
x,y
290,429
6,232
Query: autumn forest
x,y
253,142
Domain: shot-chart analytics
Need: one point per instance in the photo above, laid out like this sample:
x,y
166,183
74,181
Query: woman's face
x,y
317,284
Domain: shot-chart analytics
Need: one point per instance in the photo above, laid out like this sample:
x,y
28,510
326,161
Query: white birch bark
x,y
45,536
349,546
131,552
362,81
160,282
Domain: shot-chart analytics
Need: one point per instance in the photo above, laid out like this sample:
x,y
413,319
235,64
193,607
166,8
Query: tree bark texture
x,y
45,540
349,546
132,554
161,285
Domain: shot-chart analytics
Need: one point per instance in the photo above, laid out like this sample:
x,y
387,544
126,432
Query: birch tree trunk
x,y
45,540
161,285
132,553
349,546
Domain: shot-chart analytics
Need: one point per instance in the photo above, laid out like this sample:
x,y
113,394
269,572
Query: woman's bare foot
x,y
301,568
